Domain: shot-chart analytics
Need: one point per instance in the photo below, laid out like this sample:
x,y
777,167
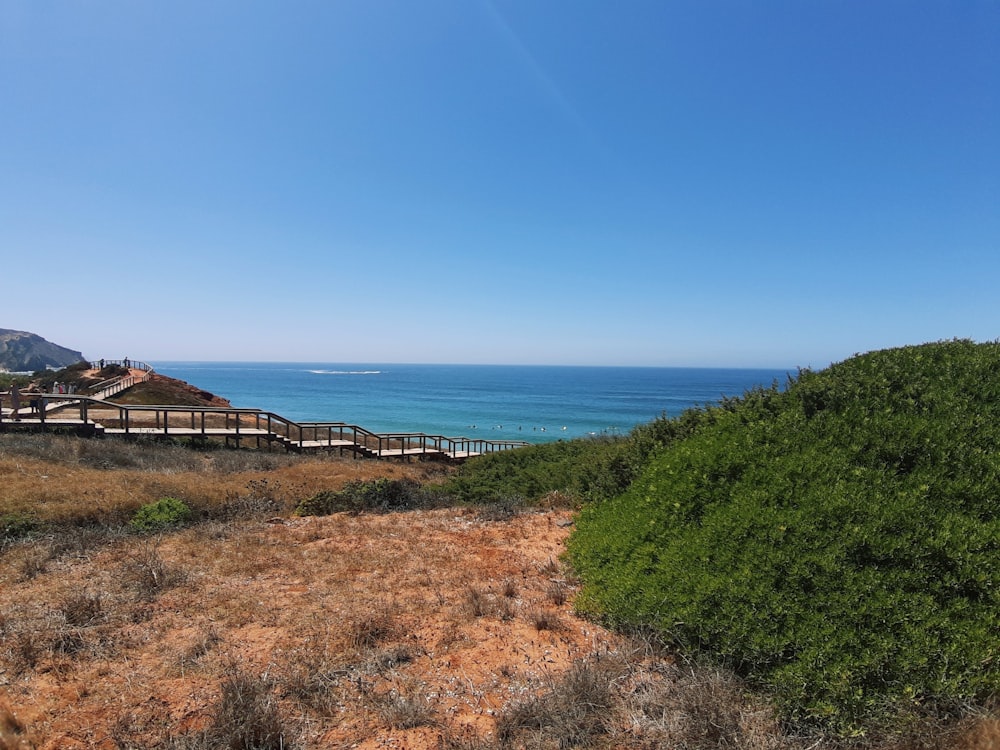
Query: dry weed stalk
x,y
148,573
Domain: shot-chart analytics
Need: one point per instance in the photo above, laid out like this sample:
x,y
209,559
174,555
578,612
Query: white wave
x,y
346,372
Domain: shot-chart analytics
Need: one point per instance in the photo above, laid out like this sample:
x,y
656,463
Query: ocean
x,y
509,402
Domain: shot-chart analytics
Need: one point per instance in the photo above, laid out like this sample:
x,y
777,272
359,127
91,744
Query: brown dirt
x,y
439,606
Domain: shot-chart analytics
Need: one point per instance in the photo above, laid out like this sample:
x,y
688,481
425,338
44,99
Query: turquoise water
x,y
534,403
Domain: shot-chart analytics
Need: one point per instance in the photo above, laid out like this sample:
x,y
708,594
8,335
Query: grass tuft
x,y
148,573
572,711
246,717
81,609
405,709
373,627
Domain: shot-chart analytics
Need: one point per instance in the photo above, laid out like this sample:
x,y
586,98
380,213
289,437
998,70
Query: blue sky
x,y
685,183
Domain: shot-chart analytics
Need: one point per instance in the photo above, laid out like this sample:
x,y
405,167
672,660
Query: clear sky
x,y
663,182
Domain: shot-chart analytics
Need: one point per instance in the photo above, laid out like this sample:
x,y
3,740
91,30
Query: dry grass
x,y
438,628
67,481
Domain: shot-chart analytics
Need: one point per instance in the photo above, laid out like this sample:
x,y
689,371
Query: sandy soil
x,y
442,613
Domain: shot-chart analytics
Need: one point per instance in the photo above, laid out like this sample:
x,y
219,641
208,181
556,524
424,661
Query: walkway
x,y
94,416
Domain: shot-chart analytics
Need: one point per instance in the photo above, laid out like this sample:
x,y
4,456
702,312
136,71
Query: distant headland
x,y
21,351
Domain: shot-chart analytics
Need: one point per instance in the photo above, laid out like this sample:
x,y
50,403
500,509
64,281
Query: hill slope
x,y
21,351
836,543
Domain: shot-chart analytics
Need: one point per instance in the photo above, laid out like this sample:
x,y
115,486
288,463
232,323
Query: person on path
x,y
34,401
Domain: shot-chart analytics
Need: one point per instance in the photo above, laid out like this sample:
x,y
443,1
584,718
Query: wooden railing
x,y
130,364
98,416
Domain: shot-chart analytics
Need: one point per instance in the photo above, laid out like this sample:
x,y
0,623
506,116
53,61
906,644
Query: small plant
x,y
313,679
571,713
81,609
24,650
478,603
501,510
68,641
149,574
557,592
16,526
246,717
372,628
247,714
545,619
404,710
33,565
510,588
387,659
165,513
698,707
207,640
505,609
261,498
549,568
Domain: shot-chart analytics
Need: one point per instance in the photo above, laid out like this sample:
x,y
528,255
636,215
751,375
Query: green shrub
x,y
377,495
165,513
15,526
527,473
594,468
836,543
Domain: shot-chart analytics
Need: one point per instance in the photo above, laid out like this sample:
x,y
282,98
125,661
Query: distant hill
x,y
21,351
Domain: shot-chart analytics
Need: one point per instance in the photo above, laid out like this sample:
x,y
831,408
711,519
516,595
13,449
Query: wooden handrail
x,y
251,422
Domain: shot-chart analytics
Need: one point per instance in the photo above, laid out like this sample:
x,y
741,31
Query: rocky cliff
x,y
27,352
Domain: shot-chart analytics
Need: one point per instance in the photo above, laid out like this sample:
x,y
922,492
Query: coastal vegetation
x,y
832,540
811,565
835,543
159,596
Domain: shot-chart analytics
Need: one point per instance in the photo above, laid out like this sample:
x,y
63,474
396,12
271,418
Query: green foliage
x,y
15,526
377,495
837,543
526,473
584,469
165,513
7,380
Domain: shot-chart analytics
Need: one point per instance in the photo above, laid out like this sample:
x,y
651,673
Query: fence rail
x,y
94,416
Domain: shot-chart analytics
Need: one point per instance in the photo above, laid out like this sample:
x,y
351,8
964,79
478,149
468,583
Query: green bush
x,y
837,543
584,469
378,495
527,473
15,526
165,513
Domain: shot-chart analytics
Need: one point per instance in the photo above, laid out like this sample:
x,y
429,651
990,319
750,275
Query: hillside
x,y
160,389
445,627
848,520
836,543
21,351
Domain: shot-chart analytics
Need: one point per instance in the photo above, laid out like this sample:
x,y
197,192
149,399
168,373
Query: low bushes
x,y
377,495
592,469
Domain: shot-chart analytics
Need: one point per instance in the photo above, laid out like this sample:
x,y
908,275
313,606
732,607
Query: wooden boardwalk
x,y
93,416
